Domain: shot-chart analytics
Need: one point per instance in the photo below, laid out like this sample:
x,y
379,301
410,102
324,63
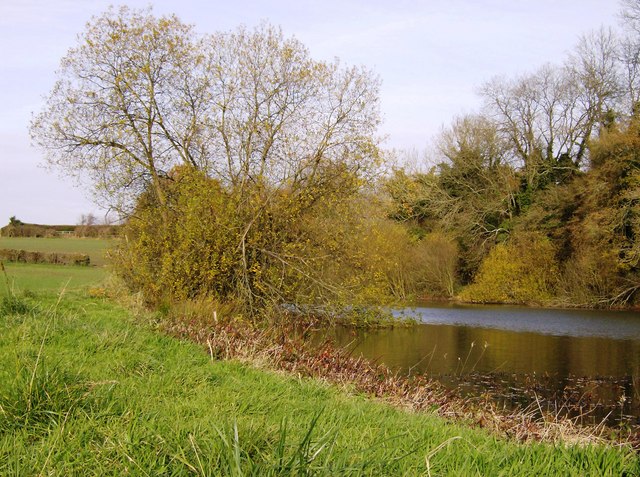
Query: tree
x,y
140,95
605,230
630,52
477,176
129,104
470,194
150,112
594,67
549,117
281,118
88,220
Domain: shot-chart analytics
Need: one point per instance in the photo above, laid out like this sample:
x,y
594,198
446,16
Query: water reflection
x,y
602,323
558,354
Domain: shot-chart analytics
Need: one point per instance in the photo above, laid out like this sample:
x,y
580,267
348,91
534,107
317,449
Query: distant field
x,y
49,278
95,248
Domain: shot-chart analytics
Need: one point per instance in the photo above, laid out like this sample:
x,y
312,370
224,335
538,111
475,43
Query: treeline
x,y
538,193
253,175
38,230
50,231
17,228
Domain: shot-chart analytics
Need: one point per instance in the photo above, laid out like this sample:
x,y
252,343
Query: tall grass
x,y
10,304
85,390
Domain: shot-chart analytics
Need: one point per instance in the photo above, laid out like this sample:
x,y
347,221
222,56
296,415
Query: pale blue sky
x,y
431,56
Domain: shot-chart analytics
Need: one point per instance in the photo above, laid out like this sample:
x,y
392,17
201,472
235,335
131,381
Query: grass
x,y
95,248
86,389
43,278
280,346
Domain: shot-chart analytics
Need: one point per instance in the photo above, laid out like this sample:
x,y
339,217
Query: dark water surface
x,y
576,362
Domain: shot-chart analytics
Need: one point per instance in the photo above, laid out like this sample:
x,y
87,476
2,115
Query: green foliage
x,y
521,270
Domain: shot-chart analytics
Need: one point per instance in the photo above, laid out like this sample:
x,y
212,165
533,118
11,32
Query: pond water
x,y
574,362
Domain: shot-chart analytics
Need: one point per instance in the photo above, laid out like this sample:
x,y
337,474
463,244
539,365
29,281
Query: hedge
x,y
25,256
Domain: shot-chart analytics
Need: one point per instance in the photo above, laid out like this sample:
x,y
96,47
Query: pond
x,y
581,363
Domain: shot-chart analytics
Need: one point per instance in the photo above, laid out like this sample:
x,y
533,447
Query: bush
x,y
412,267
323,246
590,278
522,270
25,256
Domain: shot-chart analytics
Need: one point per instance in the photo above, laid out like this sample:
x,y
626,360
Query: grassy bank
x,y
85,389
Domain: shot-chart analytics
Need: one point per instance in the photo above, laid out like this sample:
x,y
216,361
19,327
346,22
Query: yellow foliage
x,y
328,245
522,270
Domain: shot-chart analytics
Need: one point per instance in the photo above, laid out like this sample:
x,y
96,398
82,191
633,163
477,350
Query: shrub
x,y
321,246
25,256
522,270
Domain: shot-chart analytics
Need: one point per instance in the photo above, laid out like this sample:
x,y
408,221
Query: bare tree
x,y
88,220
594,67
630,53
630,14
130,103
549,116
141,95
281,117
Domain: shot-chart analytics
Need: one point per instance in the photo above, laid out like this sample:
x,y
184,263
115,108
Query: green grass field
x,y
44,278
95,248
87,390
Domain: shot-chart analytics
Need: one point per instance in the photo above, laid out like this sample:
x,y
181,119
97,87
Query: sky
x,y
431,55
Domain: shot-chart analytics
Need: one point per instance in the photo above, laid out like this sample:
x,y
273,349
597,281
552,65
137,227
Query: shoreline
x,y
115,394
546,306
275,349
